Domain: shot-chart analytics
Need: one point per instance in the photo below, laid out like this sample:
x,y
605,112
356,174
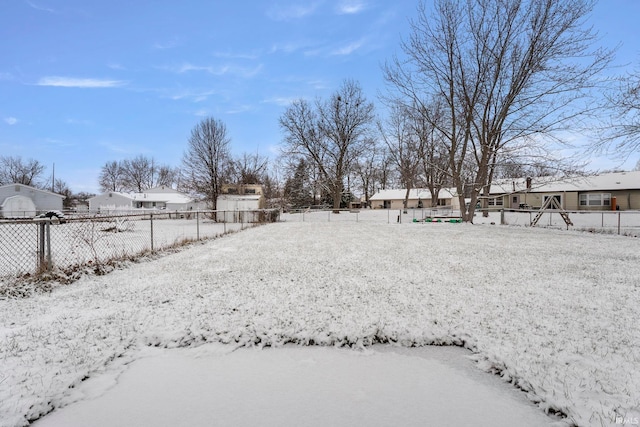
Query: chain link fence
x,y
31,247
369,215
626,223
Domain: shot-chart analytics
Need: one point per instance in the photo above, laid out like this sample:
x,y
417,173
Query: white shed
x,y
20,201
238,208
18,207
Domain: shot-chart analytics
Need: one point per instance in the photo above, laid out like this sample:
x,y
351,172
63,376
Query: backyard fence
x,y
625,223
29,247
369,215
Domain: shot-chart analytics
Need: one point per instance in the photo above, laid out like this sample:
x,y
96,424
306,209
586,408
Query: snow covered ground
x,y
554,312
212,385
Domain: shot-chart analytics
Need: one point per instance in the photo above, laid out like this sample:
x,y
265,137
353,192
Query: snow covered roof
x,y
604,182
33,189
414,194
164,197
173,197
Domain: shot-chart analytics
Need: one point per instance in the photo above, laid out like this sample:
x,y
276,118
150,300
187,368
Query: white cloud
x,y
239,109
193,95
348,49
39,7
166,45
11,120
80,83
292,46
236,55
186,67
291,11
350,7
281,100
219,70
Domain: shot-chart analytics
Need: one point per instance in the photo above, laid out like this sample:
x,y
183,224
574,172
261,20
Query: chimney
x,y
528,183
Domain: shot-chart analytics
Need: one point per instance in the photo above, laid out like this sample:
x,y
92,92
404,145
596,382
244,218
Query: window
x,y
495,202
595,199
232,190
249,191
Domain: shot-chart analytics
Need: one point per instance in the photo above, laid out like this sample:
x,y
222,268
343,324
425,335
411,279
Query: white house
x,y
156,198
23,201
418,198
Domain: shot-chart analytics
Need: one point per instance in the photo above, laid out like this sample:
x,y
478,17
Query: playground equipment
x,y
552,205
439,219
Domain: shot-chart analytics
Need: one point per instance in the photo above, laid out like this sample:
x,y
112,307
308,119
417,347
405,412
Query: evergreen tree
x,y
297,190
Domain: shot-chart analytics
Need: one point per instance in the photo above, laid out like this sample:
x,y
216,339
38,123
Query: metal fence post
x,y
48,228
618,222
41,231
197,225
151,219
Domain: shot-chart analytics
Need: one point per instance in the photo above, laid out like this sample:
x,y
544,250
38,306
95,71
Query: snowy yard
x,y
554,312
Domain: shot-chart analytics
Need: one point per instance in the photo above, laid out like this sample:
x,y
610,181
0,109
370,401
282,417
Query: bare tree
x,y
432,152
369,171
404,146
137,173
508,74
206,161
249,169
166,176
620,134
15,170
111,177
61,187
331,136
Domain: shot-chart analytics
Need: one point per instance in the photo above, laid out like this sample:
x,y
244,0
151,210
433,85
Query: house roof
x,y
164,197
34,189
414,194
605,182
173,197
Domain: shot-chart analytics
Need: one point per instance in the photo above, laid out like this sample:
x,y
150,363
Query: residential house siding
x,y
42,200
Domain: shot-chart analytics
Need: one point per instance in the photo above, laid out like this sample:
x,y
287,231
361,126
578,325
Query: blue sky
x,y
86,82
